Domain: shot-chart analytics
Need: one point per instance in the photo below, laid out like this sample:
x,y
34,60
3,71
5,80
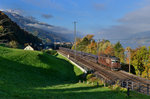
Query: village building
x,y
28,48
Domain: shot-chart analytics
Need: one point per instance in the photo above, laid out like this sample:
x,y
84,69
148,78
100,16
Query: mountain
x,y
136,40
10,31
48,33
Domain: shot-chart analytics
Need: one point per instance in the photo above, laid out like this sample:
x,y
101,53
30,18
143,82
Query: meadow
x,y
37,75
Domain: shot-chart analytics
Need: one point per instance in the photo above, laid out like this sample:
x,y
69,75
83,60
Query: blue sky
x,y
99,17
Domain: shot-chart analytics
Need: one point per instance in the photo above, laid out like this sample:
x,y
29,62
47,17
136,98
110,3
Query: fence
x,y
136,86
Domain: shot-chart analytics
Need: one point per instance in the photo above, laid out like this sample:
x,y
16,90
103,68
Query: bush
x,y
92,79
13,44
3,45
51,52
117,87
1,28
89,76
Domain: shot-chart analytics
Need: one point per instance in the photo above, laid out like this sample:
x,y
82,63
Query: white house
x,y
28,48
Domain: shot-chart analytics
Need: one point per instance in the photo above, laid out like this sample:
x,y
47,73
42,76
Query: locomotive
x,y
111,62
108,61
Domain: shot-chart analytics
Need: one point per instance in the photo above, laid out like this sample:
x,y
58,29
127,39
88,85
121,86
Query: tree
x,y
13,44
82,44
119,51
109,50
147,63
103,46
48,40
35,33
139,59
1,28
92,47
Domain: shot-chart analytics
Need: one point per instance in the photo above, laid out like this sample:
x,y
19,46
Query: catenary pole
x,y
75,37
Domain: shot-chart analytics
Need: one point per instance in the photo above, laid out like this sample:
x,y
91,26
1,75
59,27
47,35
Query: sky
x,y
110,19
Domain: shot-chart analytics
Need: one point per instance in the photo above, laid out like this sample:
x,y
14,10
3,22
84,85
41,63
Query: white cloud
x,y
12,11
56,29
133,23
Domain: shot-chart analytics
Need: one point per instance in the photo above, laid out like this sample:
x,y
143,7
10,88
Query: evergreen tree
x,y
119,51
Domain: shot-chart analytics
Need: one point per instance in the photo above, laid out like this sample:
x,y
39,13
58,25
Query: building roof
x,y
28,48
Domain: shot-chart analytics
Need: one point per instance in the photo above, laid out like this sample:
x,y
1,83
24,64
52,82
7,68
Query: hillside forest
x,y
139,58
13,36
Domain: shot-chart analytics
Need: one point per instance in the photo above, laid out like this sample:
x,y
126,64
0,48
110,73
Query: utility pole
x,y
54,43
98,46
129,61
75,37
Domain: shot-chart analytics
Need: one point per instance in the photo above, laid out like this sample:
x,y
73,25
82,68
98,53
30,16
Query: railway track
x,y
107,74
100,71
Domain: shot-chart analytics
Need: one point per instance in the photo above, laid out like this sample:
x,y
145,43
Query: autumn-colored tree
x,y
139,59
89,37
147,64
78,40
83,44
13,44
109,50
92,47
103,45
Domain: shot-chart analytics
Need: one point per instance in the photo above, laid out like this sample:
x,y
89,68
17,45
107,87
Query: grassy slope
x,y
28,74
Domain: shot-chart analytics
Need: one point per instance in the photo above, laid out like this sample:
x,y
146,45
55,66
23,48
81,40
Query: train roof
x,y
113,57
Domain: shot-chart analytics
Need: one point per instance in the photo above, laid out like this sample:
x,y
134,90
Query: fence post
x,y
92,83
83,81
127,84
104,84
132,85
97,84
79,81
139,87
102,80
96,76
87,82
128,91
147,89
122,84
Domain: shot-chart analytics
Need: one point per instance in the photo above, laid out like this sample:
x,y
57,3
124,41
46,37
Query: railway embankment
x,y
74,63
125,79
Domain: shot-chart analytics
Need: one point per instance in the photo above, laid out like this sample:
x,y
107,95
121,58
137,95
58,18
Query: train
x,y
107,61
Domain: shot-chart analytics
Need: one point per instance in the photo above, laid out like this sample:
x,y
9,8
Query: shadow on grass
x,y
61,63
82,93
27,76
69,89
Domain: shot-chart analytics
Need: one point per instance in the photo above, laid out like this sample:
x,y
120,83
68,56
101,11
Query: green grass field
x,y
36,75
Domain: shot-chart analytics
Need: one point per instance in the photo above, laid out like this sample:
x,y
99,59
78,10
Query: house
x,y
28,48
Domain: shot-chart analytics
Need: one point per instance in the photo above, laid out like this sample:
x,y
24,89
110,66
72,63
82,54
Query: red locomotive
x,y
111,62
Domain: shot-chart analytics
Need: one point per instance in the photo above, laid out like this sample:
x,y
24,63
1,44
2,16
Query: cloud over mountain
x,y
43,30
133,25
